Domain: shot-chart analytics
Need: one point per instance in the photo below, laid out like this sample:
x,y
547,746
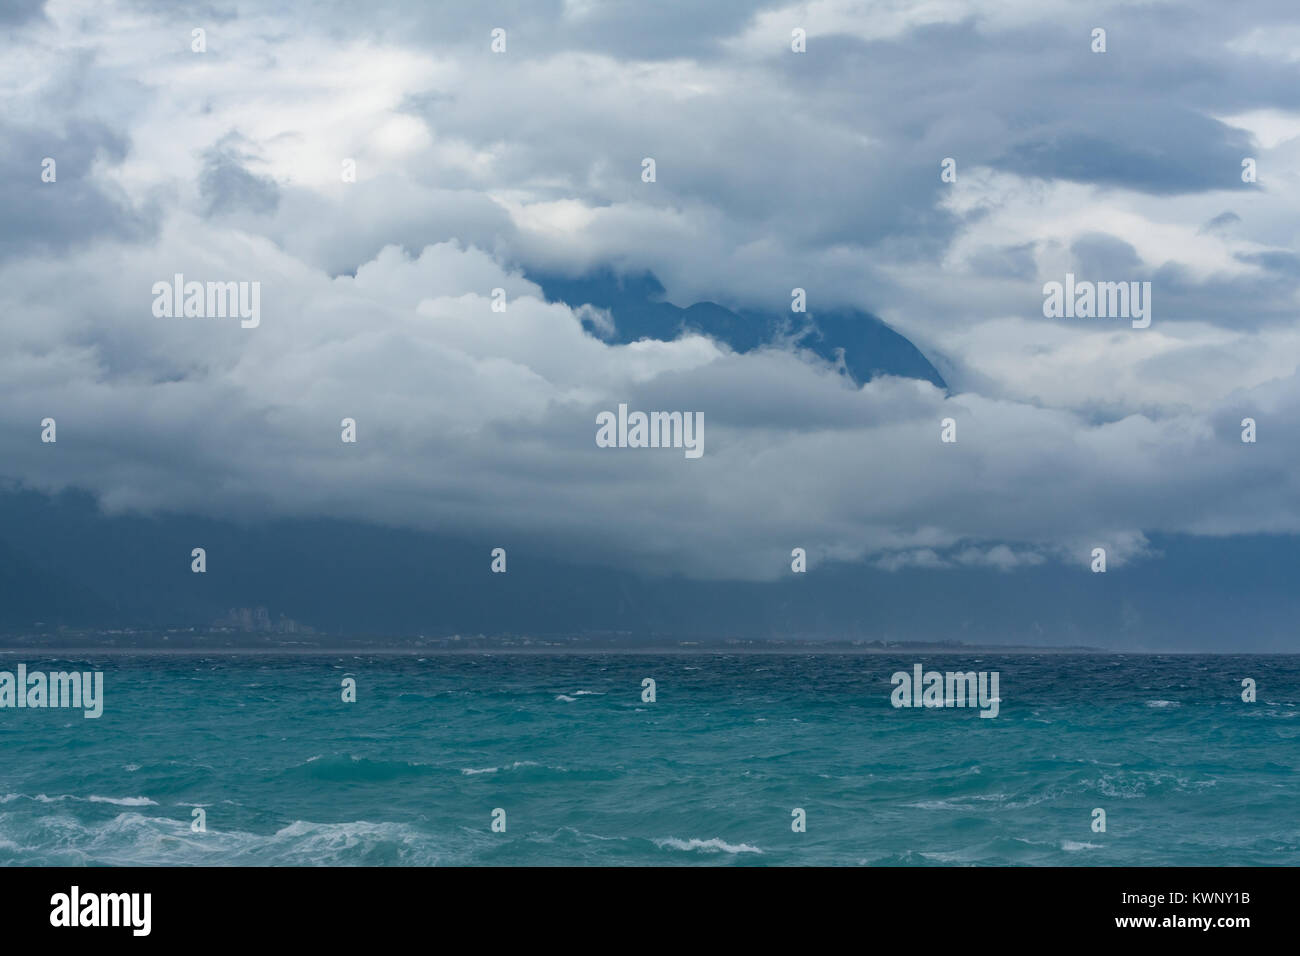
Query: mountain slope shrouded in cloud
x,y
636,304
63,562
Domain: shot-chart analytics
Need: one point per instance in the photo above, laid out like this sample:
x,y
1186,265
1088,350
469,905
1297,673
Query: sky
x,y
478,170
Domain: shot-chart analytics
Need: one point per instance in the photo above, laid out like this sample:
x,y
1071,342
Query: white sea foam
x,y
1070,846
59,798
947,857
715,845
958,803
470,771
936,805
133,839
125,801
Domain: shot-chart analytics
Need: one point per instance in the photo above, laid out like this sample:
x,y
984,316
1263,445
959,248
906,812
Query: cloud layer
x,y
820,170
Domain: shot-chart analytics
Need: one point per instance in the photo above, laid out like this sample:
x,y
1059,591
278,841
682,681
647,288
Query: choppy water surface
x,y
587,772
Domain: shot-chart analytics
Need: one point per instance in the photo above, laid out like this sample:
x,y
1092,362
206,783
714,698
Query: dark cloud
x,y
1221,221
1104,255
15,12
774,170
226,185
77,207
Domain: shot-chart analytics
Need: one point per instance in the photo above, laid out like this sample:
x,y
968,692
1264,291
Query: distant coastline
x,y
195,642
187,643
191,641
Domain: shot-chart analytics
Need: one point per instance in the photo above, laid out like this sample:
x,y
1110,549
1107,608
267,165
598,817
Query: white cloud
x,y
474,170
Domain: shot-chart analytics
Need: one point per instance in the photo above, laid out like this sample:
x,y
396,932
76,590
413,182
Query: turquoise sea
x,y
287,773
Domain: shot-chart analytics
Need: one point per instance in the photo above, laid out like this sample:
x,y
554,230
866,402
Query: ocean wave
x,y
566,698
518,764
59,798
357,841
592,836
133,839
125,801
946,857
1071,846
1163,703
957,803
715,845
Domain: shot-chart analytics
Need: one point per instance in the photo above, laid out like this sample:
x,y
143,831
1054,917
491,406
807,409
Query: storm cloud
x,y
476,171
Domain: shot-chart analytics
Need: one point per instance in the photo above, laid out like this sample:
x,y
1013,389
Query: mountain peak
x,y
870,347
